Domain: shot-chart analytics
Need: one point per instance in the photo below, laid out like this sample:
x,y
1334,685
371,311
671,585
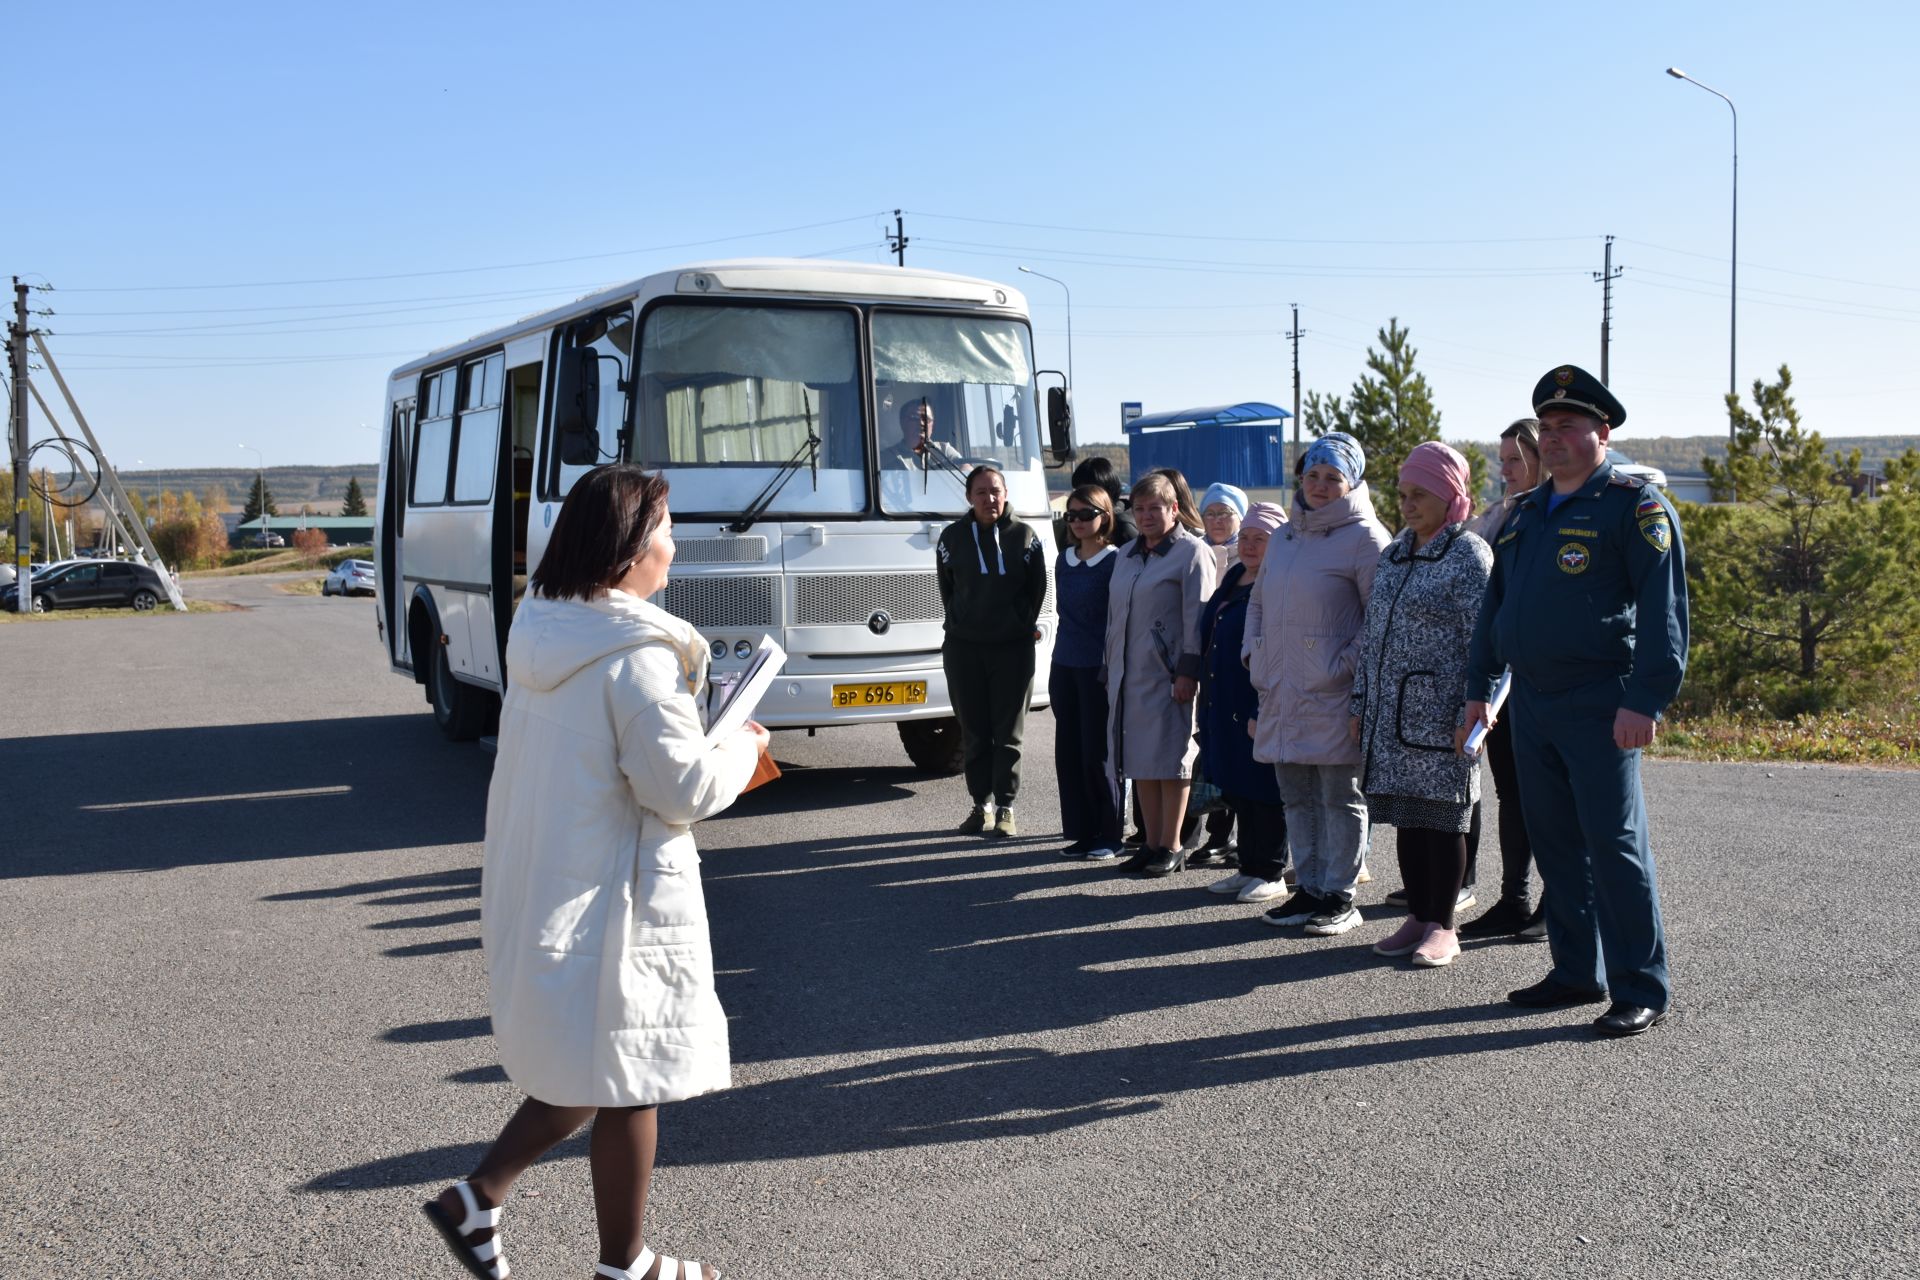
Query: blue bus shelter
x,y
1241,444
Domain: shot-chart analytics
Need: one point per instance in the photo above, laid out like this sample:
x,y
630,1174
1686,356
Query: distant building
x,y
341,531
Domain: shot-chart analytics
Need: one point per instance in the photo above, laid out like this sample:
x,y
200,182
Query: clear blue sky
x,y
359,181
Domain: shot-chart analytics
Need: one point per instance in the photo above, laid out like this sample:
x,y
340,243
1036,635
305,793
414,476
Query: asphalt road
x,y
244,1024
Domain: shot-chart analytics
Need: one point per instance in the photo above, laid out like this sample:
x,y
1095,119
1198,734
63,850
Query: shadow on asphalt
x,y
896,948
153,799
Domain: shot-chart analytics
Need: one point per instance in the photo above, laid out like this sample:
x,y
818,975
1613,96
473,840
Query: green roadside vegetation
x,y
163,611
277,560
1806,626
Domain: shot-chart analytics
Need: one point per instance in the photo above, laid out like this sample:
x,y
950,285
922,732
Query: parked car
x,y
349,577
92,584
269,540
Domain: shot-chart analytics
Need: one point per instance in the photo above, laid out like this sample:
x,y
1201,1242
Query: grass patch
x,y
163,611
1885,737
304,587
278,560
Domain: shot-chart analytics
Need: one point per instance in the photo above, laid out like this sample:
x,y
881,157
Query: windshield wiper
x,y
809,451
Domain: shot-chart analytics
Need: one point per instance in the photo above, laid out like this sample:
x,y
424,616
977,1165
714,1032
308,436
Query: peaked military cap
x,y
1568,387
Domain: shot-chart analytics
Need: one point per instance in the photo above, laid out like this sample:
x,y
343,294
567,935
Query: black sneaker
x,y
1505,917
1078,849
975,823
1298,909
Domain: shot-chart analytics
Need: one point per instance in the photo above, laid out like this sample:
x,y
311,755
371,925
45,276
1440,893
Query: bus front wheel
x,y
933,745
459,709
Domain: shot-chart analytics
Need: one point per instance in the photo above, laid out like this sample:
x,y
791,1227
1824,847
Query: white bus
x,y
772,393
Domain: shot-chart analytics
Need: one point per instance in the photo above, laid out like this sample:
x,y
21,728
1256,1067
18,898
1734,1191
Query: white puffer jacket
x,y
592,914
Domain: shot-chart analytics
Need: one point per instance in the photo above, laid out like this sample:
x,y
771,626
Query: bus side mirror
x,y
1060,425
576,406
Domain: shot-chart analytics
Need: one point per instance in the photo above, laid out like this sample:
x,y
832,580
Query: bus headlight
x,y
741,649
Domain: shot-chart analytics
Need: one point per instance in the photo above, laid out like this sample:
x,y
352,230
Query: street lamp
x,y
1063,285
262,481
1733,271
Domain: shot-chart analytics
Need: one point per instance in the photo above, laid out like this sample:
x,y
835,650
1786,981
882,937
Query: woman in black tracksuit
x,y
993,579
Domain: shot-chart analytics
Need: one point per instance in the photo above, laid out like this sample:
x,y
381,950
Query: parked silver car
x,y
349,577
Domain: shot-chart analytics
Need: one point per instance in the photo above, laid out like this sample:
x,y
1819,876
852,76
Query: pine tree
x,y
258,497
1389,411
1800,593
355,503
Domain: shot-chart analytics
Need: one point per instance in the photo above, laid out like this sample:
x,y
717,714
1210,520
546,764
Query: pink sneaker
x,y
1409,935
1441,946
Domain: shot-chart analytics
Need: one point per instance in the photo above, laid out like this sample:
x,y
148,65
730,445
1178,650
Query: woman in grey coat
x,y
1304,619
1409,693
1160,587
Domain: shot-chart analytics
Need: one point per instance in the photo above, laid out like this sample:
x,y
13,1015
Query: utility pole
x,y
1294,334
899,238
1606,277
22,482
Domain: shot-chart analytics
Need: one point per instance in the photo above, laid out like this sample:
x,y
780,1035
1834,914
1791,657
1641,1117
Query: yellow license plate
x,y
880,695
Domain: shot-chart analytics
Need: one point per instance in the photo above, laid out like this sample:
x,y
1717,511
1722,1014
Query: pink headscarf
x,y
1442,472
1264,515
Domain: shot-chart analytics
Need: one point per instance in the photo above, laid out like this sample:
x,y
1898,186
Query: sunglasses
x,y
1084,513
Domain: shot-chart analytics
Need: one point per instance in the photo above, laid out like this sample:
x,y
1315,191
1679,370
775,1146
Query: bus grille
x,y
849,599
712,601
737,550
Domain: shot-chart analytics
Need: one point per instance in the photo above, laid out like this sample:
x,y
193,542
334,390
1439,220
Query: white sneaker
x,y
1335,920
1101,853
1466,898
1234,884
1262,890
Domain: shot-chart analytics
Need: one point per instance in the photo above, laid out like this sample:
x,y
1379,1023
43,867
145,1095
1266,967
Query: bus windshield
x,y
727,395
961,387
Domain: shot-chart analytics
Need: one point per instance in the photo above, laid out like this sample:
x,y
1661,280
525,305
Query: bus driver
x,y
916,438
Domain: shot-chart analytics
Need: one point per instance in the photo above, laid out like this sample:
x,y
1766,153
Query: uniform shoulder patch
x,y
1649,506
1658,533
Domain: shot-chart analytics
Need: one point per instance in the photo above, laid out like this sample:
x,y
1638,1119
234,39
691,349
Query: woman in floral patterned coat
x,y
1409,692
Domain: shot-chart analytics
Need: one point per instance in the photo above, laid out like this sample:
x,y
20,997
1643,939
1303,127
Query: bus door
x,y
393,511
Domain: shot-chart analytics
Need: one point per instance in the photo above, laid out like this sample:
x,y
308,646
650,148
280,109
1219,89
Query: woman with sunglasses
x,y
1088,816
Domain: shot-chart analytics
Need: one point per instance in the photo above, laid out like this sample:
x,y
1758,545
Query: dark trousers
x,y
990,686
1516,851
1588,824
1263,837
1433,865
1087,809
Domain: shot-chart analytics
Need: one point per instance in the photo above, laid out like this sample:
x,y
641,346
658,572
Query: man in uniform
x,y
1588,608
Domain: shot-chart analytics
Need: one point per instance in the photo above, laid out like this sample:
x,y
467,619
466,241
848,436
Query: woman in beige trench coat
x,y
1160,586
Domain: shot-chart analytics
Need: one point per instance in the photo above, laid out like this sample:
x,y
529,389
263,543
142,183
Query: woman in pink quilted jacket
x,y
1302,648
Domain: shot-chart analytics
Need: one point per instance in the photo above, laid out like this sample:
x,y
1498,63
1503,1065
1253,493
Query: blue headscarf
x,y
1340,451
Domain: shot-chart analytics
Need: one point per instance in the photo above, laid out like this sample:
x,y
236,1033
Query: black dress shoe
x,y
1164,863
1548,994
1625,1019
1141,857
1506,916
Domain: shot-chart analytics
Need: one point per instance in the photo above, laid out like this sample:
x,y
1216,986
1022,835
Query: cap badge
x,y
1563,376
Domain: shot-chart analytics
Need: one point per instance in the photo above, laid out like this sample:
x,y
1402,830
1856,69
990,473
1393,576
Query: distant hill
x,y
1682,454
322,488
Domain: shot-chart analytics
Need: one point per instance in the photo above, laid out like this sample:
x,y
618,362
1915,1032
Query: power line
x,y
456,271
1785,271
1182,235
1388,272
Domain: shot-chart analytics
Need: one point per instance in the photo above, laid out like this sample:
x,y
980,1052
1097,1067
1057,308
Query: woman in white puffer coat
x,y
592,915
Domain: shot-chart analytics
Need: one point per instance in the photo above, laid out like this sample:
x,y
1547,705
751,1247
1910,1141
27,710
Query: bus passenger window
x,y
433,440
478,439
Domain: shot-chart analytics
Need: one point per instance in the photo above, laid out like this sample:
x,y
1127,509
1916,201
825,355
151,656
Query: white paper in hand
x,y
746,693
1478,734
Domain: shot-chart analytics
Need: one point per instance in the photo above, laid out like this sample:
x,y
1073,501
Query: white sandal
x,y
670,1268
483,1259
